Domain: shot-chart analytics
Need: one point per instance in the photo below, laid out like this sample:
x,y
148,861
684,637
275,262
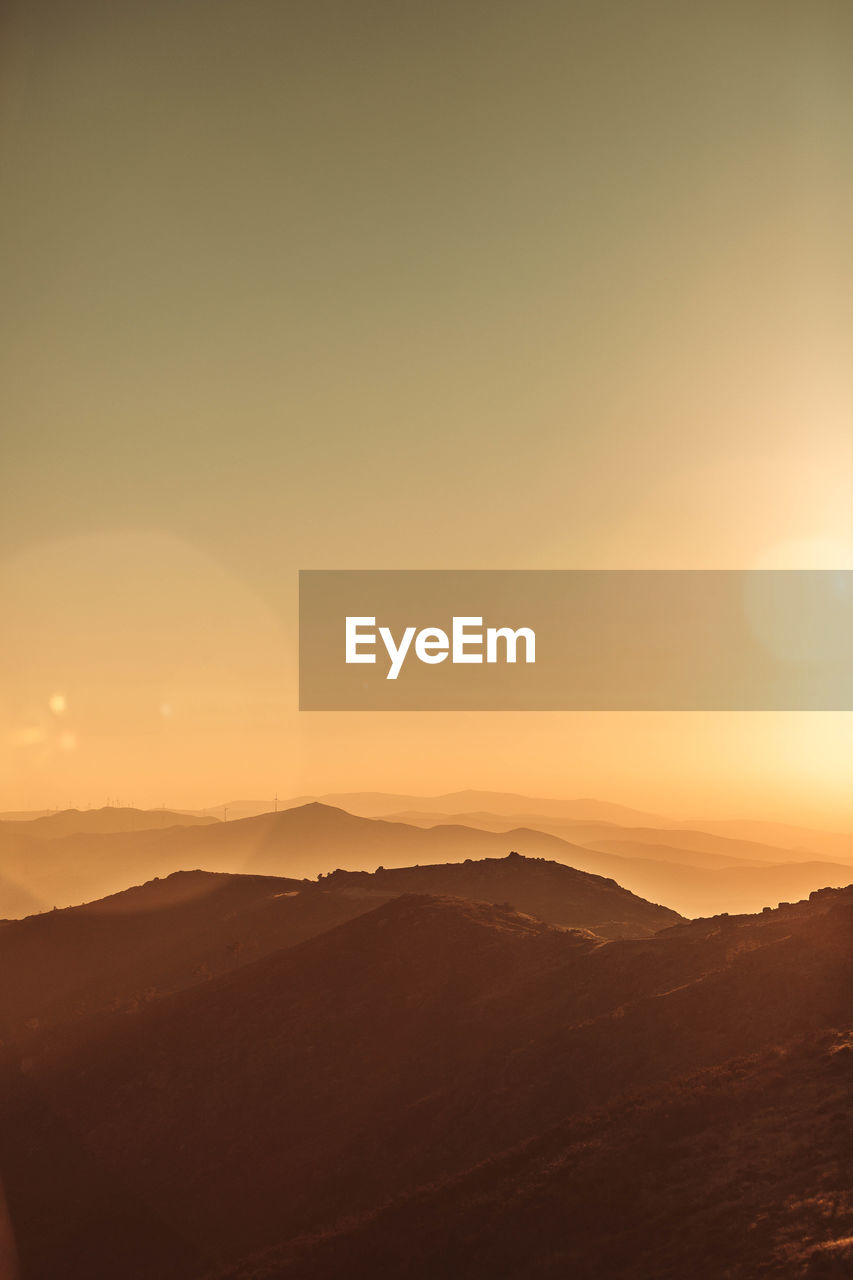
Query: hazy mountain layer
x,y
305,842
68,822
300,843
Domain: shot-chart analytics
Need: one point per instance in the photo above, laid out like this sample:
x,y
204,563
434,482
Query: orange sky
x,y
485,286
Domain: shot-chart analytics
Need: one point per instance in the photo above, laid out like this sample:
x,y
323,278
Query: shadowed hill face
x,y
124,951
553,892
128,949
306,1057
406,1046
740,1171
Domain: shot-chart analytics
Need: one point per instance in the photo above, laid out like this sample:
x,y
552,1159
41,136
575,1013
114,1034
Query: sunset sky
x,y
384,285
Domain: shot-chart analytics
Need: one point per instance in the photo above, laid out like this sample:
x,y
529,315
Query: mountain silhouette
x,y
301,843
313,839
378,804
66,822
548,890
128,949
738,1171
435,1042
125,950
711,849
678,867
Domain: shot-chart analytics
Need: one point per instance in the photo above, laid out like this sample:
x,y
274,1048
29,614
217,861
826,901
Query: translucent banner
x,y
566,640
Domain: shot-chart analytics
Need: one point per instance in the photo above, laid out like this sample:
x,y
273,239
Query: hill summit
x,y
549,890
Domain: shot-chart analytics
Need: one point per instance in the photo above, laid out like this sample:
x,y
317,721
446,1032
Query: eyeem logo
x,y
592,640
433,645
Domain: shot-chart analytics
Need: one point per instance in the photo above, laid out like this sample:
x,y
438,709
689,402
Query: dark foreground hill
x,y
132,947
336,1089
741,1171
127,949
549,890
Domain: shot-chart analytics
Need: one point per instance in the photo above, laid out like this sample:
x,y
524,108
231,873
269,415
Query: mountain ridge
x,y
126,949
406,1046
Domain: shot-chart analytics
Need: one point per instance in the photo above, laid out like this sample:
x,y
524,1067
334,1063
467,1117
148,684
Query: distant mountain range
x,y
523,810
106,821
303,843
377,804
715,849
693,872
806,843
435,1086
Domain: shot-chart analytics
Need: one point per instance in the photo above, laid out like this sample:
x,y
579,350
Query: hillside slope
x,y
741,1171
397,1050
548,890
130,948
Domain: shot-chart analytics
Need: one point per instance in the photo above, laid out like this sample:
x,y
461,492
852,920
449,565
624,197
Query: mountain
x,y
377,804
108,820
695,880
298,843
547,890
40,870
133,947
695,847
829,844
445,1066
739,1171
302,843
526,811
232,810
494,807
696,891
128,949
696,841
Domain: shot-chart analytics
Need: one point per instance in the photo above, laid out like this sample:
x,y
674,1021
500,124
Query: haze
x,y
378,286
